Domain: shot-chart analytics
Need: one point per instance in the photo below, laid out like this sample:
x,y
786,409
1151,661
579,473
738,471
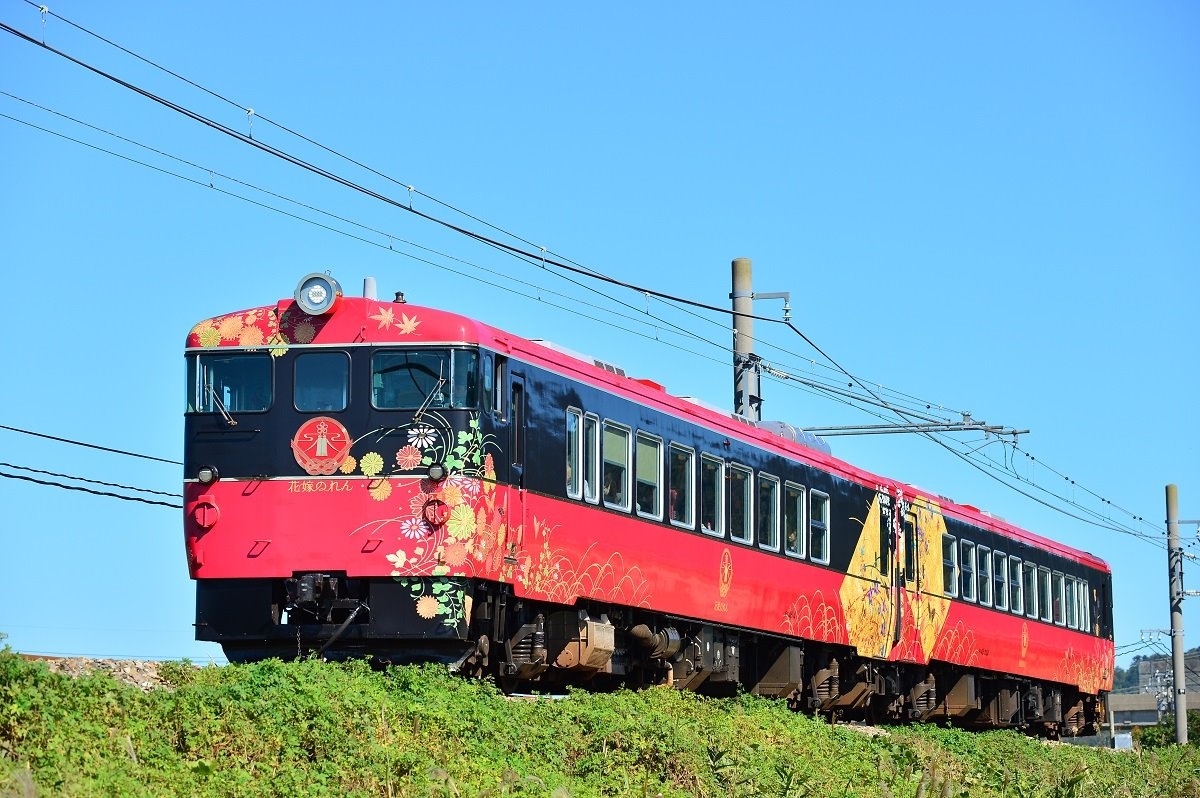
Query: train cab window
x,y
681,477
591,458
424,378
1058,596
235,383
949,565
1016,591
1045,594
1000,580
322,382
649,463
793,519
1029,582
967,561
615,455
712,495
574,464
818,526
767,512
984,576
740,504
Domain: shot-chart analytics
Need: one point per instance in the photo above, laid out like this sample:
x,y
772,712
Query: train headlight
x,y
437,472
317,294
207,474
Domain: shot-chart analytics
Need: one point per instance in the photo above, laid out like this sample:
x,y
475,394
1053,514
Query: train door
x,y
517,417
909,584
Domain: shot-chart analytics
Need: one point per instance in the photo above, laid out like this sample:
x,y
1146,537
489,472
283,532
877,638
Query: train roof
x,y
357,321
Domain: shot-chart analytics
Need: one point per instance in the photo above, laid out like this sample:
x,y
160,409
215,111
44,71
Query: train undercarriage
x,y
481,630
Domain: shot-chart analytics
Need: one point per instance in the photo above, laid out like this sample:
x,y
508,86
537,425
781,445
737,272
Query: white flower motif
x,y
422,437
414,528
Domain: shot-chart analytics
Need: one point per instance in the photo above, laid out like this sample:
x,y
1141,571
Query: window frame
x,y
950,577
645,440
983,575
1029,584
732,471
1045,608
201,402
999,578
718,495
574,444
801,530
625,500
774,543
1016,586
591,465
967,570
822,524
688,500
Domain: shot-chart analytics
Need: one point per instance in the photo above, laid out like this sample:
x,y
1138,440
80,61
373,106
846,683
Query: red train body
x,y
379,479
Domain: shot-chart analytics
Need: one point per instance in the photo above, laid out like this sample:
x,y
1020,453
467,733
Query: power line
x,y
89,445
48,483
92,481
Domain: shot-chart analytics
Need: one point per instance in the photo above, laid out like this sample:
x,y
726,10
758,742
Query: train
x,y
369,478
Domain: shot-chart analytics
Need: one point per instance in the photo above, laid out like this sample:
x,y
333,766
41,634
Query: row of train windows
x,y
995,579
400,379
623,469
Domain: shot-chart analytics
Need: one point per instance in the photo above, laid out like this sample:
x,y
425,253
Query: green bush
x,y
316,729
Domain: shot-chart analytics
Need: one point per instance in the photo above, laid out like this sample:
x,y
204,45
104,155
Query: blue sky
x,y
984,209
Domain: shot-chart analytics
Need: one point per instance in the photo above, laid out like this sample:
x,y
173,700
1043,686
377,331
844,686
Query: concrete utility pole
x,y
1175,569
747,402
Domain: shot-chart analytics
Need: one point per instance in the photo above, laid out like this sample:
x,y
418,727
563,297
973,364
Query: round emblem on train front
x,y
320,445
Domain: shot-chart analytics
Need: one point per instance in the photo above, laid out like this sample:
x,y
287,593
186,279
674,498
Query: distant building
x,y
1154,674
1134,709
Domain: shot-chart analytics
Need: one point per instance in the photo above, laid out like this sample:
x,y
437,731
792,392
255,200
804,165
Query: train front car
x,y
339,465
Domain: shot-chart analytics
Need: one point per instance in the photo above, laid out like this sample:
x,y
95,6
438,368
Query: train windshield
x,y
229,383
413,378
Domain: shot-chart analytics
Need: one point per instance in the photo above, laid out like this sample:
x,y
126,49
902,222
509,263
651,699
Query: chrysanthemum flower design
x,y
380,489
209,336
422,437
304,333
455,554
427,607
451,494
371,464
409,457
414,528
468,486
462,522
250,336
230,327
348,465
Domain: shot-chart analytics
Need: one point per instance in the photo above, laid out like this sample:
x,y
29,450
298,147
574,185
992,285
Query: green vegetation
x,y
314,729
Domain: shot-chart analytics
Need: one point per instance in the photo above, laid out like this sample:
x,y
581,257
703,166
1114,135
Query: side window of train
x,y
950,565
488,376
1072,603
1000,580
1029,581
574,464
712,495
1045,595
321,382
615,453
591,458
740,504
1016,590
818,526
681,477
1058,598
648,459
968,569
767,512
794,538
984,575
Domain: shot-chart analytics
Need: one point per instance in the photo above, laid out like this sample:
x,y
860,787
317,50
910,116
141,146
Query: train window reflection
x,y
322,381
793,519
740,504
681,477
430,378
615,453
239,383
712,495
649,476
818,526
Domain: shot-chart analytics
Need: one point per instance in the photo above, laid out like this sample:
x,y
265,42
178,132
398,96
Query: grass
x,y
316,729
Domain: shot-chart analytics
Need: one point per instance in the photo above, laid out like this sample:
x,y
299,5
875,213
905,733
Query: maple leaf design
x,y
408,325
385,317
